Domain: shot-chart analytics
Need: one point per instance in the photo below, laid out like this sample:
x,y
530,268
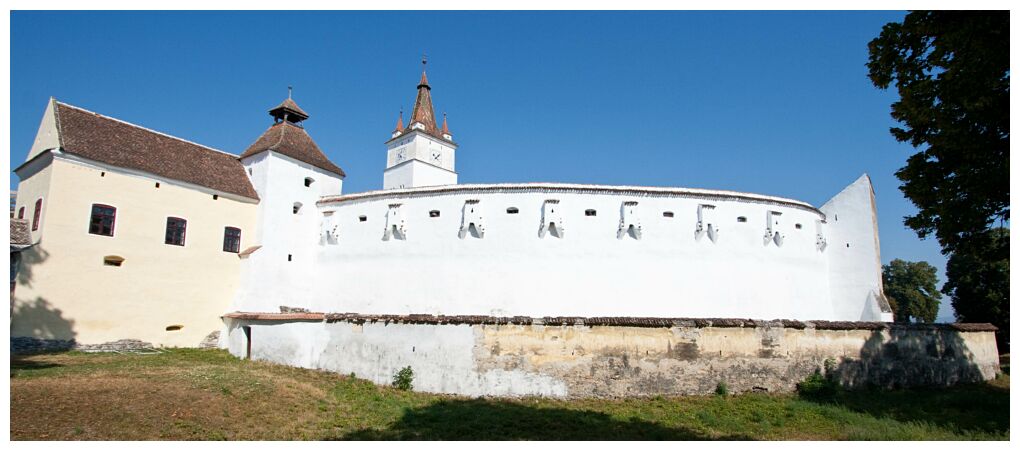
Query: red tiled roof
x,y
423,113
294,142
290,105
107,140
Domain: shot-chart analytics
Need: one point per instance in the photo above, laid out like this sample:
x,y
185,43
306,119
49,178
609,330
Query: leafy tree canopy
x,y
911,290
978,273
951,69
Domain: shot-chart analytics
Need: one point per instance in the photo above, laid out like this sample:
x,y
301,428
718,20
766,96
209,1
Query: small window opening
x,y
249,171
290,257
102,220
174,327
157,184
797,226
362,218
741,218
297,207
589,212
309,181
175,231
102,174
113,260
836,216
667,214
215,196
432,214
847,244
231,239
512,211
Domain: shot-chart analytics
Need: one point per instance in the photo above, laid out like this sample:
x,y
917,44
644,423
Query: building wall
x,y
587,272
288,241
65,291
855,263
611,361
414,173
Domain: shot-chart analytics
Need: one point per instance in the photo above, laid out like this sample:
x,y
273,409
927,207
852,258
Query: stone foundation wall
x,y
611,357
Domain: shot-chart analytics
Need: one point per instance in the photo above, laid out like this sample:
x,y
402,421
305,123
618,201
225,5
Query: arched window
x,y
36,214
21,213
512,211
175,231
434,214
102,221
113,260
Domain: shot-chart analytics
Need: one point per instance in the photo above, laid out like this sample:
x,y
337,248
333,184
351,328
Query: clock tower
x,y
421,154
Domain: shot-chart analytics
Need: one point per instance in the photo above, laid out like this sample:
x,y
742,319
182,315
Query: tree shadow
x,y
946,387
482,419
38,326
26,363
30,258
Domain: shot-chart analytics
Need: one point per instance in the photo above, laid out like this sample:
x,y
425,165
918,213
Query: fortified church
x,y
136,234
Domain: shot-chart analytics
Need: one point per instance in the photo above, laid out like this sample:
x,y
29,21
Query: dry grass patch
x,y
209,395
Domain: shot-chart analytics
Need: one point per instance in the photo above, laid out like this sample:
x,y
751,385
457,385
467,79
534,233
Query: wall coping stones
x,y
359,318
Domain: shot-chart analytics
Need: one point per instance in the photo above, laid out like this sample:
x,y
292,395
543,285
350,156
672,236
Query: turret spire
x,y
288,111
446,129
400,122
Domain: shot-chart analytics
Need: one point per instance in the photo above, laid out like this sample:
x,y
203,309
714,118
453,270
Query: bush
x,y
817,386
722,389
404,379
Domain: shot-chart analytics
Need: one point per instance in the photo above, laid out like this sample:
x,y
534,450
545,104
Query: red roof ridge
x,y
56,112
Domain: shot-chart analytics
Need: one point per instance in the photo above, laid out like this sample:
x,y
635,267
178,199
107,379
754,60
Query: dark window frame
x,y
180,224
37,214
234,239
21,212
112,217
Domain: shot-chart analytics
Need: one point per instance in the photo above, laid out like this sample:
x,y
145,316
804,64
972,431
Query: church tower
x,y
421,154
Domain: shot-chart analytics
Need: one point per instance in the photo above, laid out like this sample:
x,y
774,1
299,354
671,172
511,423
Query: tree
x,y
911,290
951,69
978,286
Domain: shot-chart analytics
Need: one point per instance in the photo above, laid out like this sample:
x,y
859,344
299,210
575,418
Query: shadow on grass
x,y
947,387
493,420
26,363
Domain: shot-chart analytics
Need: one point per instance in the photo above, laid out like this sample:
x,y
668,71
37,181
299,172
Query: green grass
x,y
210,395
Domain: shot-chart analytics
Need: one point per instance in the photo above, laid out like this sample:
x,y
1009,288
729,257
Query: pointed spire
x,y
423,113
424,79
446,129
400,121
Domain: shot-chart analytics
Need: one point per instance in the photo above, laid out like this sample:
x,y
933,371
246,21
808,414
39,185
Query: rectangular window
x,y
36,214
232,239
103,217
21,213
175,230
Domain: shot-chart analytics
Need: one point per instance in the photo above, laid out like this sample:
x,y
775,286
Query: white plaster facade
x,y
630,251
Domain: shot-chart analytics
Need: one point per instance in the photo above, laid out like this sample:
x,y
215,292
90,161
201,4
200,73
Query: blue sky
x,y
767,102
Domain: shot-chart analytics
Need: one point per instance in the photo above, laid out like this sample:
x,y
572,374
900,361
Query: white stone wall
x,y
590,270
414,173
283,268
615,361
855,265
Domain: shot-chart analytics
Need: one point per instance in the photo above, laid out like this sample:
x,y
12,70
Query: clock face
x,y
437,156
401,155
